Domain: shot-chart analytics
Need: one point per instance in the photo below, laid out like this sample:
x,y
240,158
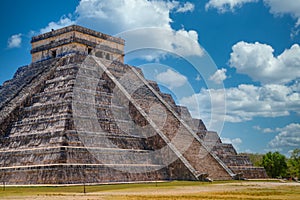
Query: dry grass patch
x,y
162,191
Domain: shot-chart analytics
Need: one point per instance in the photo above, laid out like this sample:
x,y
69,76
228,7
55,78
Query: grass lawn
x,y
162,191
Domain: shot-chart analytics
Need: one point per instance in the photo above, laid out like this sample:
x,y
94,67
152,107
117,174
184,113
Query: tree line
x,y
277,165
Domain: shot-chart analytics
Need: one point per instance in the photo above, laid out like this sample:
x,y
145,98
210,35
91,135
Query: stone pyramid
x,y
78,114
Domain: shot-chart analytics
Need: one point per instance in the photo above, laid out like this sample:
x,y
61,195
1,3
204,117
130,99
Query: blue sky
x,y
233,63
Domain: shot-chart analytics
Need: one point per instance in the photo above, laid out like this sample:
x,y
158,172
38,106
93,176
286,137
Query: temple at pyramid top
x,y
75,39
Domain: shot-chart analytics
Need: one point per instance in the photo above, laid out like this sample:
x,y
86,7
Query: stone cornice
x,y
77,29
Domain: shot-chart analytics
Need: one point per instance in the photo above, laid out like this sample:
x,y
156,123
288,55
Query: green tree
x,y
256,158
275,164
294,164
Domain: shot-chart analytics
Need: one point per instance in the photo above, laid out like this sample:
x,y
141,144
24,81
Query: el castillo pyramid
x,y
78,114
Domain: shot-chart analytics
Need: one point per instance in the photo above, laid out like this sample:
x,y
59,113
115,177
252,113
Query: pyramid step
x,y
119,166
34,126
47,109
68,154
87,173
113,156
59,85
54,92
60,79
73,138
68,66
236,160
250,172
65,70
41,119
30,140
62,94
109,140
224,149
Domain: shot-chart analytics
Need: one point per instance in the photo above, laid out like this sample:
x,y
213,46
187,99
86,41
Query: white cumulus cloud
x,y
110,17
264,130
245,102
188,6
120,17
277,8
15,41
171,78
288,136
280,7
268,130
219,76
162,41
226,5
287,7
259,62
64,21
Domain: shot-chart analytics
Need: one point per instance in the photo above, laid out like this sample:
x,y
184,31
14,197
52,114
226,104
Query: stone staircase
x,y
175,132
